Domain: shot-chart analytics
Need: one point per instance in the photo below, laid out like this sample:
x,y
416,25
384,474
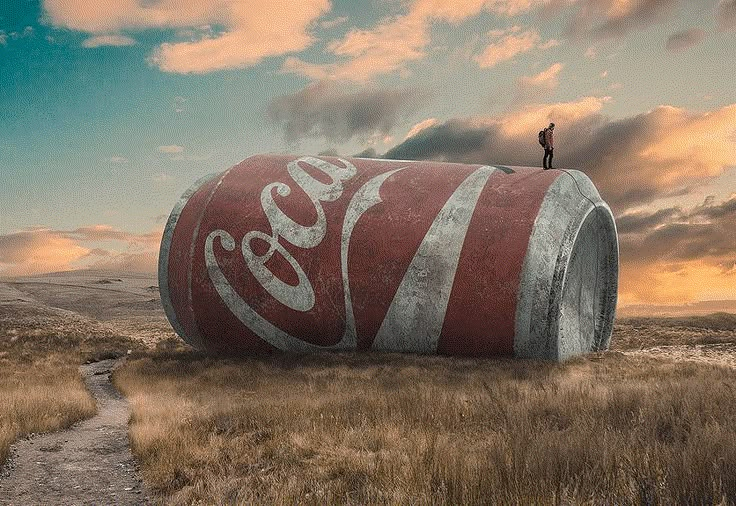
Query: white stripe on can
x,y
163,257
415,317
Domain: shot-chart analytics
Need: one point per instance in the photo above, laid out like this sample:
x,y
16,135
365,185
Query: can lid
x,y
568,288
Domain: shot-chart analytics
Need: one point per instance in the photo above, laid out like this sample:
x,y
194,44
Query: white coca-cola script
x,y
417,311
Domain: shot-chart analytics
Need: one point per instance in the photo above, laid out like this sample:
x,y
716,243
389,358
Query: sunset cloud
x,y
246,33
685,39
679,255
679,283
170,149
507,44
705,233
41,250
459,10
326,110
108,40
632,160
421,126
37,250
548,79
367,53
398,40
109,233
604,19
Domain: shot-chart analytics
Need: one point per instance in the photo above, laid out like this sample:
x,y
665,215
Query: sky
x,y
110,109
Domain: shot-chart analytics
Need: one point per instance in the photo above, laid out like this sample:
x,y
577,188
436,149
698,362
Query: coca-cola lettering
x,y
365,198
416,312
301,296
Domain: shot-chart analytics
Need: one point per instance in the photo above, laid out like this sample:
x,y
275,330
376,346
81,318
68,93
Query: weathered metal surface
x,y
306,254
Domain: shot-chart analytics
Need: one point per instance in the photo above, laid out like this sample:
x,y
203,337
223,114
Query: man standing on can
x,y
549,146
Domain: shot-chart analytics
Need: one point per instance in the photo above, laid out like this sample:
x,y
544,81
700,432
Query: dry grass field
x,y
653,421
391,429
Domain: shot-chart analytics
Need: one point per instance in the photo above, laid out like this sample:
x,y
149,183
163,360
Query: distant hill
x,y
696,308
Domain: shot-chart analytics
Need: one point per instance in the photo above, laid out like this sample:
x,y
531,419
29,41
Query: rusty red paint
x,y
479,319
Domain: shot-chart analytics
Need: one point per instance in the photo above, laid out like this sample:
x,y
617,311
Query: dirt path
x,y
90,463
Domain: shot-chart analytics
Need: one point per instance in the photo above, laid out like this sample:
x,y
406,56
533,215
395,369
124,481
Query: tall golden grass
x,y
40,396
397,429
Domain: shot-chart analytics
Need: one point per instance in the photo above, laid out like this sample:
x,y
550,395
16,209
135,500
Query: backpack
x,y
542,136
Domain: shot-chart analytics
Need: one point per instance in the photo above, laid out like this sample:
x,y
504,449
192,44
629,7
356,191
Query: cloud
x,y
674,283
460,10
704,232
397,40
39,250
421,126
547,79
108,40
118,159
238,33
386,48
632,160
506,45
727,14
642,221
528,118
328,24
162,177
109,233
679,255
15,35
171,149
324,109
604,19
685,39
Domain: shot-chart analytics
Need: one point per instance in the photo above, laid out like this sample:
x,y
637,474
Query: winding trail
x,y
89,463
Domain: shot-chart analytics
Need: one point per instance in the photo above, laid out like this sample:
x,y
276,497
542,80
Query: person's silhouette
x,y
549,146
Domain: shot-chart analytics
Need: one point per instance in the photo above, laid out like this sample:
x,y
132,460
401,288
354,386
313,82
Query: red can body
x,y
320,253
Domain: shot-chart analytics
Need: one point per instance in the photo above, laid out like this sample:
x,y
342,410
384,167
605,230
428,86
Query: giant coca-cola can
x,y
321,253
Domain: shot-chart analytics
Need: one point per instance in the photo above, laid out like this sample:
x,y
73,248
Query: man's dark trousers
x,y
548,153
